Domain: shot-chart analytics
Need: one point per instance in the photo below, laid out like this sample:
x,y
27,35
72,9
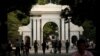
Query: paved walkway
x,y
48,51
40,53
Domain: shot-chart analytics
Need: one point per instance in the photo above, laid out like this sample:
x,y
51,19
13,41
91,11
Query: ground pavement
x,y
47,53
40,53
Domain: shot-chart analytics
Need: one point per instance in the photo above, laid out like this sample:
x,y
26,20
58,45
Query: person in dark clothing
x,y
52,46
44,47
81,49
35,46
22,46
9,49
27,47
67,44
47,45
55,46
17,51
59,46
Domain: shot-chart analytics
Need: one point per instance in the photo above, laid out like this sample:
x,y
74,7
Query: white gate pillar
x,y
62,29
38,29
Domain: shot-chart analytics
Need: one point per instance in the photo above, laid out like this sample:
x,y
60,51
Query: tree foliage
x,y
48,1
81,10
49,28
14,22
89,30
83,14
41,2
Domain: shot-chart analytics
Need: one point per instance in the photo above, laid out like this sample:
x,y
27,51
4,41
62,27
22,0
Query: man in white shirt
x,y
81,45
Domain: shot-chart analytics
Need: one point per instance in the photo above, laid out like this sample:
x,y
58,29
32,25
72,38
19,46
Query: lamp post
x,y
69,17
66,13
68,21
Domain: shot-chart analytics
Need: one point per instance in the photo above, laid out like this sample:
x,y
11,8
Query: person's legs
x,y
9,53
16,51
36,50
60,50
19,51
66,50
55,50
27,52
43,51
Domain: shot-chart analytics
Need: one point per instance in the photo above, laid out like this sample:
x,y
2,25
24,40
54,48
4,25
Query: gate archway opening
x,y
27,39
50,31
74,39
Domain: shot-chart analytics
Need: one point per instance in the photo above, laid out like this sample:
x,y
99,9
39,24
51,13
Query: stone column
x,y
31,21
38,30
34,29
41,31
59,29
66,30
62,29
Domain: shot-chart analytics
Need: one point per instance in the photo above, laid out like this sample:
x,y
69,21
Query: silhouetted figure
x,y
59,46
67,44
44,46
47,45
27,47
22,46
9,48
18,45
74,41
35,46
81,45
55,46
52,46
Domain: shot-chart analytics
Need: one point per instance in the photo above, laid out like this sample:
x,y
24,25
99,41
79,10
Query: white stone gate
x,y
42,14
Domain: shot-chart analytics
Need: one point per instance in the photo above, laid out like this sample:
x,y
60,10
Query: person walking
x,y
67,44
9,48
35,46
59,46
22,46
18,45
52,46
55,46
27,47
44,46
47,45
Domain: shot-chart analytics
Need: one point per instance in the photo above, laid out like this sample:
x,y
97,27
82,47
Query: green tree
x,y
48,1
89,30
24,19
13,24
42,2
15,19
81,10
83,14
49,28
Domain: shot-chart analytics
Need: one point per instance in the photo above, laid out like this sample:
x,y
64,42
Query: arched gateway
x,y
42,14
